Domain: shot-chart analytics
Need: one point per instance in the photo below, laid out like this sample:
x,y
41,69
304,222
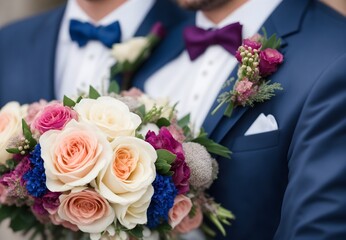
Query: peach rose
x,y
188,224
181,208
10,126
136,213
86,209
110,115
73,156
56,220
128,175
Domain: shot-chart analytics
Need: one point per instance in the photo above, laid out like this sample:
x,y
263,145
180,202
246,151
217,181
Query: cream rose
x,y
129,51
132,170
10,126
110,115
181,208
136,213
163,103
86,209
73,156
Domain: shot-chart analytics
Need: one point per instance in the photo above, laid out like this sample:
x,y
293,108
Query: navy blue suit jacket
x,y
287,184
27,51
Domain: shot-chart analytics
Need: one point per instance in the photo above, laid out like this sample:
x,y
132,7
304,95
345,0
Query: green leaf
x,y
141,111
137,232
164,155
6,212
68,102
80,98
93,93
184,121
211,146
164,227
10,163
13,150
163,122
114,87
28,135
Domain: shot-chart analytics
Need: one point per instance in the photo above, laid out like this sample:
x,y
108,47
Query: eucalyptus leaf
x,y
114,87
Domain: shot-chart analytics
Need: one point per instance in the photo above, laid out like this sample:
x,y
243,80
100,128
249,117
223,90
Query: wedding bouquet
x,y
119,166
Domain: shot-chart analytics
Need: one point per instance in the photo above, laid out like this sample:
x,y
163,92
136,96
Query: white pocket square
x,y
262,124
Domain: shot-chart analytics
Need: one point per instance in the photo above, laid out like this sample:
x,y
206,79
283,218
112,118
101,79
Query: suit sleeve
x,y
314,205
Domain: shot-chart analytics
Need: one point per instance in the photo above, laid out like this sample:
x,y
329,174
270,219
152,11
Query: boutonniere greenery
x,y
131,54
258,58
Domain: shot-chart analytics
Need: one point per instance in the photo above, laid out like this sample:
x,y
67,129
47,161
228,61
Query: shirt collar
x,y
248,14
130,15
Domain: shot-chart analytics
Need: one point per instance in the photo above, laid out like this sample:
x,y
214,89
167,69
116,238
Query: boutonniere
x,y
131,54
258,58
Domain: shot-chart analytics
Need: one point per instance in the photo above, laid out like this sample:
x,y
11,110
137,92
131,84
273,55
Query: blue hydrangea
x,y
36,177
162,201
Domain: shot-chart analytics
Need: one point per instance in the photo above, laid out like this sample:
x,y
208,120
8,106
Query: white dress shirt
x,y
196,84
76,68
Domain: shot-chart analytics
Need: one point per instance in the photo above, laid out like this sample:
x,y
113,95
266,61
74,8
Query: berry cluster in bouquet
x,y
119,166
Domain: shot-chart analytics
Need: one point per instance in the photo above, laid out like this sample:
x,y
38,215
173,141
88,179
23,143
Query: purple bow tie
x,y
197,40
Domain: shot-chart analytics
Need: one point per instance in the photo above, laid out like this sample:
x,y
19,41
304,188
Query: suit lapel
x,y
44,49
284,21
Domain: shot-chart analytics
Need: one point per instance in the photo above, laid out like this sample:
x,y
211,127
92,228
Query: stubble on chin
x,y
204,5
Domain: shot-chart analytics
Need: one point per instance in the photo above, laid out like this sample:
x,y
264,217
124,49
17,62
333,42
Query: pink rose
x,y
181,208
56,220
269,61
34,109
132,92
74,156
188,224
53,117
86,209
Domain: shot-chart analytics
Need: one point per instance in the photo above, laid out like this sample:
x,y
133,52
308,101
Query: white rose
x,y
129,51
163,103
132,170
110,115
10,126
135,213
149,127
73,156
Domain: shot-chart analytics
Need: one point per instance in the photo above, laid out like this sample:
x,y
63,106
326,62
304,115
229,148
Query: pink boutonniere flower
x,y
258,58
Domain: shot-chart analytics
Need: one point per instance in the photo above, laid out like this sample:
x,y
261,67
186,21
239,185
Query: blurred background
x,y
11,10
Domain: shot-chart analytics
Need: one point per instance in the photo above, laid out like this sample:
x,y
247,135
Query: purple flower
x,y
158,30
269,61
251,43
50,201
165,140
14,190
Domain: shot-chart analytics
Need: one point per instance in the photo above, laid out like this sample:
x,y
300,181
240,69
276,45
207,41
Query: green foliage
x,y
164,162
114,87
28,135
137,232
163,122
93,93
272,42
211,146
68,102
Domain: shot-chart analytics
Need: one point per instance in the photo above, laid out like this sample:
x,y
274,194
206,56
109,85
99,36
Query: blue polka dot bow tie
x,y
82,32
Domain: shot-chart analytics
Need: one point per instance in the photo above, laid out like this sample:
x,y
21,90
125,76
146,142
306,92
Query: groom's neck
x,y
218,14
98,9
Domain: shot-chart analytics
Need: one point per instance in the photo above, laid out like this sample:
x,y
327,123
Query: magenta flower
x,y
270,59
165,140
53,116
251,43
158,30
